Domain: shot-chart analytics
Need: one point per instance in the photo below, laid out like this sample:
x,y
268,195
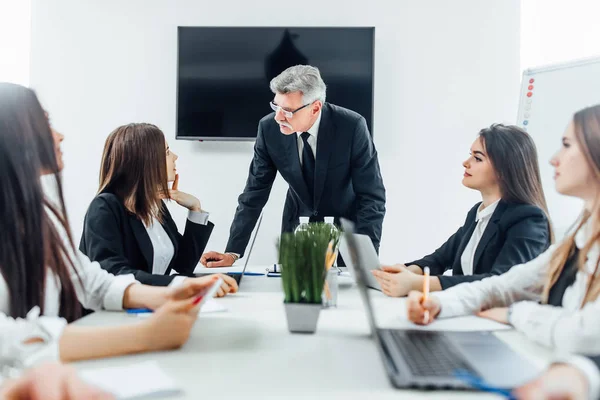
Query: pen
x,y
274,270
246,273
425,292
477,383
138,310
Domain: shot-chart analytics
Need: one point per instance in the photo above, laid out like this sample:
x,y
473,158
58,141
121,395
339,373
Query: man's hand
x,y
214,259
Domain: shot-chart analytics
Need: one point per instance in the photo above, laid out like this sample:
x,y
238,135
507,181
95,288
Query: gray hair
x,y
300,78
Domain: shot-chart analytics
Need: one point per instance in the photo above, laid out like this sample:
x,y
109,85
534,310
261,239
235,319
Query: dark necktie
x,y
308,165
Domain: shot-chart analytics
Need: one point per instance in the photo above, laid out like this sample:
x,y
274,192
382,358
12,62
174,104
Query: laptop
x,y
235,275
368,261
431,359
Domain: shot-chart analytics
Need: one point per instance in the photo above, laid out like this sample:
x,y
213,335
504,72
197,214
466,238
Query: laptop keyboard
x,y
429,353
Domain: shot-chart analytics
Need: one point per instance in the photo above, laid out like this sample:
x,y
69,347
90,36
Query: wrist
x,y
417,282
143,335
144,296
415,269
509,312
233,256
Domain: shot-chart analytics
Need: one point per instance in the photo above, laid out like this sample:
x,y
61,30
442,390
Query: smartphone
x,y
208,293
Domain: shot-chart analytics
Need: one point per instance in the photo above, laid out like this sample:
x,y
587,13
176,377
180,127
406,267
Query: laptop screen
x,y
358,270
251,245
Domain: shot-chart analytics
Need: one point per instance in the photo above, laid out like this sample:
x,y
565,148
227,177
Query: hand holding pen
x,y
421,308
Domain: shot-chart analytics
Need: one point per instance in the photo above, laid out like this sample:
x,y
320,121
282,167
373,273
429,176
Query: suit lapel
x,y
325,141
491,230
141,235
297,183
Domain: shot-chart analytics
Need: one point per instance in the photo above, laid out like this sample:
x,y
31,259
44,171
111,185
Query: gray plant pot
x,y
302,318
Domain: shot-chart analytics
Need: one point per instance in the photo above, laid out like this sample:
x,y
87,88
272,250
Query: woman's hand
x,y
170,325
51,381
229,284
416,307
397,280
560,381
184,199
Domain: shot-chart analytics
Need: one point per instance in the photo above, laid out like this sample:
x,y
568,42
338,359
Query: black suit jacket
x,y
516,233
348,180
118,240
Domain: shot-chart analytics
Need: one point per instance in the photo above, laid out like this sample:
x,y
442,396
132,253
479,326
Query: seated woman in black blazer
x,y
128,228
508,227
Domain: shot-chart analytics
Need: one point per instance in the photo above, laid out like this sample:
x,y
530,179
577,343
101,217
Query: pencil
x,y
425,292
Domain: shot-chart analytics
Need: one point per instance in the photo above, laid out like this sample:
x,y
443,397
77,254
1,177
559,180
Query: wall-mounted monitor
x,y
223,74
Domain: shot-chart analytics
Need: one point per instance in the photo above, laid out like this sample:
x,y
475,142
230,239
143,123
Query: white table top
x,y
248,351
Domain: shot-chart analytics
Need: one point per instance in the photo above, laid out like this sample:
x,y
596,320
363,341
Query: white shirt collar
x,y
314,129
486,212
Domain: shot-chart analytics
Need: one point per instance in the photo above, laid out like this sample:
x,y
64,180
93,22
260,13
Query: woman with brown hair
x,y
508,227
44,279
128,228
564,279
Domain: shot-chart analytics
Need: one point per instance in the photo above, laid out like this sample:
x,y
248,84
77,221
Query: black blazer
x,y
348,180
118,240
516,233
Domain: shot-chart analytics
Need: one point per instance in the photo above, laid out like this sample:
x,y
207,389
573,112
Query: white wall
x,y
15,35
443,70
554,31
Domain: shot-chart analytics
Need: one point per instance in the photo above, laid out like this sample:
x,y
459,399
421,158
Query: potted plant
x,y
302,257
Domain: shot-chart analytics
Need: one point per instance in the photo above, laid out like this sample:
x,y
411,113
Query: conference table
x,y
247,351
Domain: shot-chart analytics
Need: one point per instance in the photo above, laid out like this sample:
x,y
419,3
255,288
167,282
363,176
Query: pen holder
x,y
330,291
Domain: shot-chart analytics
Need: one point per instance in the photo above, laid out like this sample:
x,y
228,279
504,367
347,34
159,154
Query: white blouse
x,y
482,219
162,246
98,290
568,328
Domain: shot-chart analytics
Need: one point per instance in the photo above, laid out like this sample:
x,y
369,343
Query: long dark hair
x,y
30,242
134,168
514,158
586,127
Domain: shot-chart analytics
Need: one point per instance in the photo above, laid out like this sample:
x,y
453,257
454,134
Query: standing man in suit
x,y
324,152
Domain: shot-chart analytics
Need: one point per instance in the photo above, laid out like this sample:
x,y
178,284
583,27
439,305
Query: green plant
x,y
302,258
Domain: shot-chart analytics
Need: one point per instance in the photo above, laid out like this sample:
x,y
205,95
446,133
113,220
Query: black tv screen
x,y
224,74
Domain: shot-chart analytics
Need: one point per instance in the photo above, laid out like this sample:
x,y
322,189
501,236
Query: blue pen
x,y
138,310
479,384
246,273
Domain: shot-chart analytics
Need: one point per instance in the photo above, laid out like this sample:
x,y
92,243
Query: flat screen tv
x,y
223,74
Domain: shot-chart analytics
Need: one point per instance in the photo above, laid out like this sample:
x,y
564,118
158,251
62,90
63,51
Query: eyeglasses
x,y
288,114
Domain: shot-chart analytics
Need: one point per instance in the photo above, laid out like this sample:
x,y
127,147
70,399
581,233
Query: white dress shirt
x,y
312,139
568,328
163,249
482,219
98,289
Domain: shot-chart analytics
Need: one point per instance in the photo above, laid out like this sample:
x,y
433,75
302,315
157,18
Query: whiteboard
x,y
548,99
